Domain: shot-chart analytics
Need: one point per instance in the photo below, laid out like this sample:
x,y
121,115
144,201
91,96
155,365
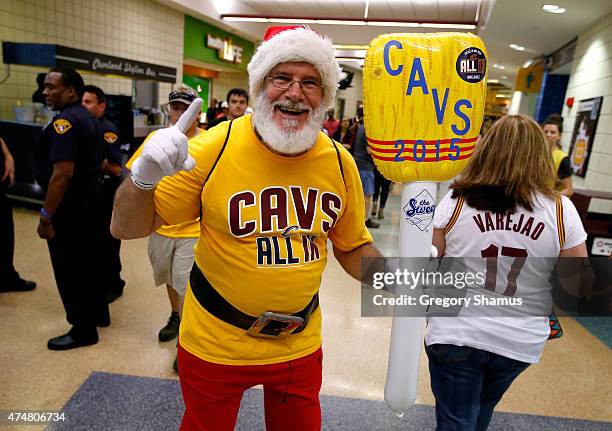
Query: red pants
x,y
212,392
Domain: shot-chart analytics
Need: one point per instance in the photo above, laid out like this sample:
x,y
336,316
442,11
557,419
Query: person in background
x,y
37,96
171,247
221,110
10,281
211,113
94,100
68,159
381,189
345,134
272,190
366,167
331,125
473,360
237,103
553,128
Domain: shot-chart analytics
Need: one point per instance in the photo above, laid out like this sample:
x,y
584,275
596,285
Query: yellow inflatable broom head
x,y
424,98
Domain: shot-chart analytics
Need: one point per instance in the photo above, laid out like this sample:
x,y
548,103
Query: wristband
x,y
141,185
45,214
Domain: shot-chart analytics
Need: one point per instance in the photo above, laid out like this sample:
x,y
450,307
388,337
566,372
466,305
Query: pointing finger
x,y
189,116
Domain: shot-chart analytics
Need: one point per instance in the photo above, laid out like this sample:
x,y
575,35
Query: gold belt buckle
x,y
276,325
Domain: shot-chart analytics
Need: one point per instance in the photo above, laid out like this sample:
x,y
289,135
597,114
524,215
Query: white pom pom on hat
x,y
283,44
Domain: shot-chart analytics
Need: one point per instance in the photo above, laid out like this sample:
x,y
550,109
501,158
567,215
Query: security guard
x,y
68,159
94,100
10,281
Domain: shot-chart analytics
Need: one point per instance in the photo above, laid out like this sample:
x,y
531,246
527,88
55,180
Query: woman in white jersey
x,y
503,204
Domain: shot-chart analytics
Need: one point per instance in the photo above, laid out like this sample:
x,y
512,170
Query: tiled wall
x,y
225,81
141,30
591,76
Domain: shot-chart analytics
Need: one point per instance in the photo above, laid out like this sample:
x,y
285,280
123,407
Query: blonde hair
x,y
514,157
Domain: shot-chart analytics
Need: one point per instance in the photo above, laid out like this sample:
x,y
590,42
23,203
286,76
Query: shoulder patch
x,y
62,125
110,137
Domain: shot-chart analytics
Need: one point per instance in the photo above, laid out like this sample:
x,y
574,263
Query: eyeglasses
x,y
308,86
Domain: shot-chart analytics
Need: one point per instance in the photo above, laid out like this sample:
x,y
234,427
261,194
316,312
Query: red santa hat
x,y
285,44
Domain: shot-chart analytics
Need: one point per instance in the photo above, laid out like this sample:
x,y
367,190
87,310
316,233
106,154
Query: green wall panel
x,y
195,44
202,86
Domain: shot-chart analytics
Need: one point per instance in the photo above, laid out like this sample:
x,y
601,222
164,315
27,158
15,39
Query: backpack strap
x,y
229,129
339,159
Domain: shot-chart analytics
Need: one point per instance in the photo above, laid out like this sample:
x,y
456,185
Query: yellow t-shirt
x,y
263,244
188,229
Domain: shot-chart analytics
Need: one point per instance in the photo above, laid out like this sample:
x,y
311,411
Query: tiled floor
x,y
573,379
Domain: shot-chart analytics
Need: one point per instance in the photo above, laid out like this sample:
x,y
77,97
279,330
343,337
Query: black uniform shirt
x,y
216,121
112,143
72,135
3,184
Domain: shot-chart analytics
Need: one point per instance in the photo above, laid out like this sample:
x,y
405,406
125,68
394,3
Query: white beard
x,y
286,140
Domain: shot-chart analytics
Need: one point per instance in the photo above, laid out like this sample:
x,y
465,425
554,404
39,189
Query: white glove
x,y
166,152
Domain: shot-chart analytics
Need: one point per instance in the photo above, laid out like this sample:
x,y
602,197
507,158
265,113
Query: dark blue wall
x,y
550,100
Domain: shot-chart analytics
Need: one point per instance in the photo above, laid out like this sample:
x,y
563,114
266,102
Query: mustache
x,y
288,104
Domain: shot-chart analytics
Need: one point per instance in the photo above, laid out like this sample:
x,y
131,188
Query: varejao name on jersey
x,y
524,225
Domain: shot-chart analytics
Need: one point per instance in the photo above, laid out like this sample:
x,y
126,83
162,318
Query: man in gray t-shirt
x,y
365,164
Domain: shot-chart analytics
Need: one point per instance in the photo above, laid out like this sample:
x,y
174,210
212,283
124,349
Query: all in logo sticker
x,y
61,126
110,137
471,65
419,211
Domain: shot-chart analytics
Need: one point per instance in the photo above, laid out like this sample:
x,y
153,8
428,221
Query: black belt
x,y
268,324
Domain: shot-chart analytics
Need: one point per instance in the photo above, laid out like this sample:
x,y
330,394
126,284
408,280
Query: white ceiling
x,y
500,22
524,23
454,10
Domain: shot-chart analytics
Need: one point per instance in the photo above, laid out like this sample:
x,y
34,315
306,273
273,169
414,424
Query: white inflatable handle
x,y
407,332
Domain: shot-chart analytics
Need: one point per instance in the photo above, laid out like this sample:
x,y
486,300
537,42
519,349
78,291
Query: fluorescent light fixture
x,y
502,96
393,24
504,77
517,47
339,21
457,26
245,19
492,81
292,21
361,53
350,47
553,8
498,66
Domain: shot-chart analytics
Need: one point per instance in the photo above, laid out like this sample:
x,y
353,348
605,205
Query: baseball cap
x,y
224,104
184,94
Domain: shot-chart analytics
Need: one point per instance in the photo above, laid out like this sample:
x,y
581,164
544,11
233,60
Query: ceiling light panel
x,y
360,53
351,47
393,24
553,8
